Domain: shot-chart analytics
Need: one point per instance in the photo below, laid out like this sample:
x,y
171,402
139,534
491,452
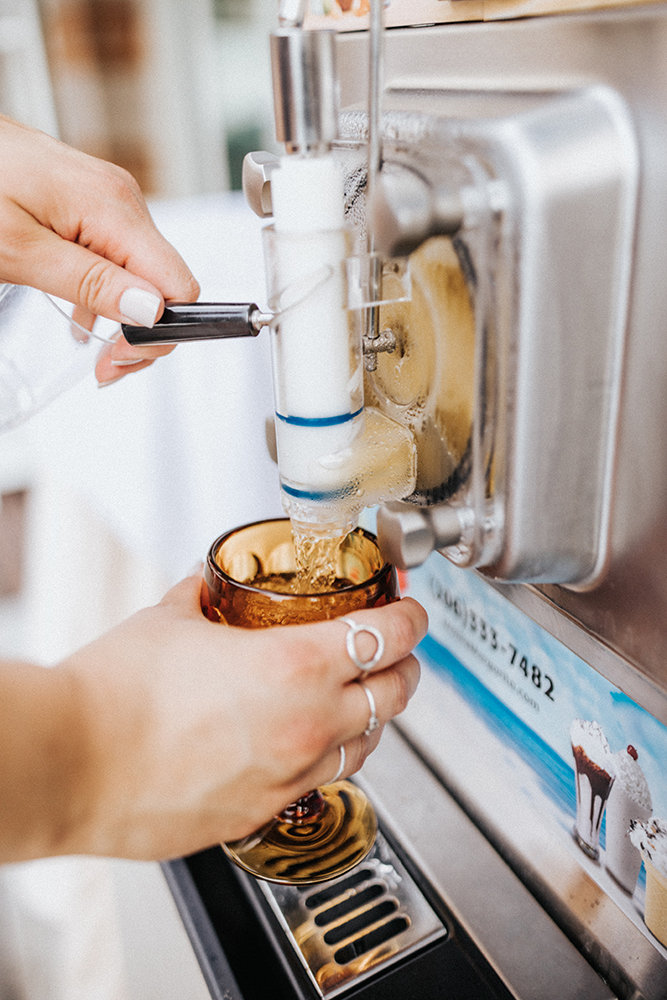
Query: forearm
x,y
41,769
171,733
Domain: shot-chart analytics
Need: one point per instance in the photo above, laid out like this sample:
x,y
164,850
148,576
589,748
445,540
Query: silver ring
x,y
373,722
365,666
341,766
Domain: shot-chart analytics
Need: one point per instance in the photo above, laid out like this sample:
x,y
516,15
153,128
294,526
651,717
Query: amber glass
x,y
332,829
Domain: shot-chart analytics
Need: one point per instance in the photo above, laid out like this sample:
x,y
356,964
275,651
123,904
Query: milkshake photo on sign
x,y
629,802
612,786
651,839
594,773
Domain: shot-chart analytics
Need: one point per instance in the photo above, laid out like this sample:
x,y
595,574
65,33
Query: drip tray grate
x,y
346,929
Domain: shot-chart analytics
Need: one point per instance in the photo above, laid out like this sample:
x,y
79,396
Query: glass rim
x,y
386,567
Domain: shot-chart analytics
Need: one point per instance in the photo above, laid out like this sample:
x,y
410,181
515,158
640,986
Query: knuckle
x,y
358,751
356,754
405,630
303,744
192,289
301,661
400,693
120,184
93,286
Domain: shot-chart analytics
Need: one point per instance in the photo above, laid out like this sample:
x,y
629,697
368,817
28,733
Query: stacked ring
x,y
341,766
373,722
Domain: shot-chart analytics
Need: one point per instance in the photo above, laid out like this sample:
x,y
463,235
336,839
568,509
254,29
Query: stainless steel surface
x,y
551,274
256,180
576,168
405,210
525,947
330,926
548,212
407,534
305,91
624,50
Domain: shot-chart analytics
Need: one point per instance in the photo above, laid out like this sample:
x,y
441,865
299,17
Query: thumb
x,y
185,596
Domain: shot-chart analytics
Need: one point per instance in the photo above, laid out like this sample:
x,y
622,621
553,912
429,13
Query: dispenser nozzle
x,y
305,89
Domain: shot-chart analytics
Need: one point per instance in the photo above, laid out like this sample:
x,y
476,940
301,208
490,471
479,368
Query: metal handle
x,y
200,321
256,181
407,534
406,209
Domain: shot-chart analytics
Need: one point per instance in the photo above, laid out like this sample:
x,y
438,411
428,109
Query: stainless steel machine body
x,y
481,65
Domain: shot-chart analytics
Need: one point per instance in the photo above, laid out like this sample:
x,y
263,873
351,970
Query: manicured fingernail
x,y
130,361
139,306
109,381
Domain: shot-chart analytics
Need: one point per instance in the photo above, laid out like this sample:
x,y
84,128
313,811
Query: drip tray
x,y
344,930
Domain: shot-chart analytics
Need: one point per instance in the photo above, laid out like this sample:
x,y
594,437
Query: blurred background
x,y
107,498
175,93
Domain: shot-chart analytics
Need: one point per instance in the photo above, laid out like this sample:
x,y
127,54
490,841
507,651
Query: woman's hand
x,y
79,228
181,733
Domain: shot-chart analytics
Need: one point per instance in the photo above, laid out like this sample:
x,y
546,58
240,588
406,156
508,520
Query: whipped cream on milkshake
x,y
651,839
629,799
594,774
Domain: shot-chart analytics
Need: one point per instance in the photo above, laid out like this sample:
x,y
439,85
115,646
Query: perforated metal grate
x,y
346,929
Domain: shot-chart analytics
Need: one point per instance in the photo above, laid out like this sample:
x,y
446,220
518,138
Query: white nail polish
x,y
124,364
139,306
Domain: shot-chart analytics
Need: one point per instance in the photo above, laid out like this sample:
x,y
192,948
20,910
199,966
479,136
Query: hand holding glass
x,y
249,582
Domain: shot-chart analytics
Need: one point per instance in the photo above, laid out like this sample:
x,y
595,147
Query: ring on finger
x,y
341,766
373,721
365,666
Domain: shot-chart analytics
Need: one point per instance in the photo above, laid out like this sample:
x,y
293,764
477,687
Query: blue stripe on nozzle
x,y
319,496
341,418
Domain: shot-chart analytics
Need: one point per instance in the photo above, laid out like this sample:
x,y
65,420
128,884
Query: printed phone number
x,y
486,634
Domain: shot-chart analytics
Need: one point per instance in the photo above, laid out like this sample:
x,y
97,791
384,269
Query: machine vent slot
x,y
346,929
372,940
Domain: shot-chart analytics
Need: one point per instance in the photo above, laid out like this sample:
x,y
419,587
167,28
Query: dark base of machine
x,y
245,955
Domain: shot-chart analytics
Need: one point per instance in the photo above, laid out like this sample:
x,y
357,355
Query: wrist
x,y
42,763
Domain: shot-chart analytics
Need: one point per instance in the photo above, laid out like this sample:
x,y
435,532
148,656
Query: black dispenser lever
x,y
200,321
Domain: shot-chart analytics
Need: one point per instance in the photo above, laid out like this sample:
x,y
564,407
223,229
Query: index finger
x,y
110,218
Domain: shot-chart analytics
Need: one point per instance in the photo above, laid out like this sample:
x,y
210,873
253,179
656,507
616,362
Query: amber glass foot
x,y
306,848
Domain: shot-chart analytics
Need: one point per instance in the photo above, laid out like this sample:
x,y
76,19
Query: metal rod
x,y
375,86
375,83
